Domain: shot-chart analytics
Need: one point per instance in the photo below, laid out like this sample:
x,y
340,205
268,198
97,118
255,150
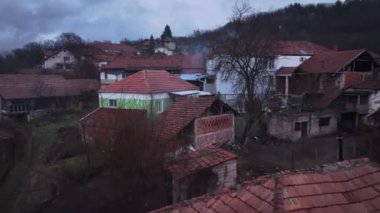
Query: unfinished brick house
x,y
193,127
315,94
347,186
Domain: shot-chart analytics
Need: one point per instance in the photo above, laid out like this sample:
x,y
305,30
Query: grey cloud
x,y
23,21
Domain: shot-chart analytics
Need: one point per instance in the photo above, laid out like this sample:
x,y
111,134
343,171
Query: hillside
x,y
348,25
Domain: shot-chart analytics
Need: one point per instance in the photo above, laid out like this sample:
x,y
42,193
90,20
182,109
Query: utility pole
x,y
340,145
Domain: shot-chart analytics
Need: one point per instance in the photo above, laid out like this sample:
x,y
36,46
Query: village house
x,y
152,90
284,54
320,95
25,96
103,53
188,67
62,60
347,186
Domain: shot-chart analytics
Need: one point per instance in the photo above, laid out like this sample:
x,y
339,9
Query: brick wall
x,y
213,129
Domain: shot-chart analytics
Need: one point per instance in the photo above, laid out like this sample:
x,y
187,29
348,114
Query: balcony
x,y
359,108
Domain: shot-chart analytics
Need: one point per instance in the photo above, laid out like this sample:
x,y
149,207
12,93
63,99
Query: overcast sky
x,y
23,21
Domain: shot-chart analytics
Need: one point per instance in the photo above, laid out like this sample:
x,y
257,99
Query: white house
x,y
62,60
286,54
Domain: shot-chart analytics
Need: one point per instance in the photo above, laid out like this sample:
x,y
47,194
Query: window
x,y
112,103
324,121
68,66
160,106
297,126
271,63
66,58
364,100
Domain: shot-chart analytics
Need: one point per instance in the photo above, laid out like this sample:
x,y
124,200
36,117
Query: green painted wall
x,y
152,106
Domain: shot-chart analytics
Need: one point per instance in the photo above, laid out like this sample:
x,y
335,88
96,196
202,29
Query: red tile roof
x,y
108,46
298,48
348,186
17,86
328,97
192,162
187,64
285,70
49,53
182,112
150,81
329,62
101,124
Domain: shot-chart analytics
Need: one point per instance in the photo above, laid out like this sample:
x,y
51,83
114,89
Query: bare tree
x,y
243,56
129,146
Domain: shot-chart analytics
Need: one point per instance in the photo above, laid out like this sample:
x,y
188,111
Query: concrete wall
x,y
283,126
225,174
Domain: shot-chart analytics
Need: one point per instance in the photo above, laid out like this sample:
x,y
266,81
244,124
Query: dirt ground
x,y
266,156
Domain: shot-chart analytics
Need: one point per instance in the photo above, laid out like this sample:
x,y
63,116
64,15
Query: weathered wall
x,y
283,127
210,181
226,174
213,129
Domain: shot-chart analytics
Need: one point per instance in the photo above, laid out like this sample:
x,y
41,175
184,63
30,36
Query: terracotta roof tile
x,y
186,64
192,162
329,62
108,46
298,48
18,86
311,191
149,81
182,112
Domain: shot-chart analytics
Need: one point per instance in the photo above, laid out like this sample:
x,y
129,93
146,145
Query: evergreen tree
x,y
151,45
167,33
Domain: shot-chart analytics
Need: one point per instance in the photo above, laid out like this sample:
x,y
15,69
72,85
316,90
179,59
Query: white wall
x,y
374,102
226,87
111,76
51,63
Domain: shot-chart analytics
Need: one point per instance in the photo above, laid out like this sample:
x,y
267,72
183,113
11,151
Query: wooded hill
x,y
350,25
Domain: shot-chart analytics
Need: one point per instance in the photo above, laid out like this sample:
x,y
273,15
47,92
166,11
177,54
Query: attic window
x,y
112,103
66,58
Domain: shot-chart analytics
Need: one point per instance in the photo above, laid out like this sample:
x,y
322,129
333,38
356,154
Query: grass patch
x,y
45,132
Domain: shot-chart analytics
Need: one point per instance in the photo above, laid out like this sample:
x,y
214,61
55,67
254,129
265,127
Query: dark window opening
x,y
112,102
297,126
364,100
324,121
